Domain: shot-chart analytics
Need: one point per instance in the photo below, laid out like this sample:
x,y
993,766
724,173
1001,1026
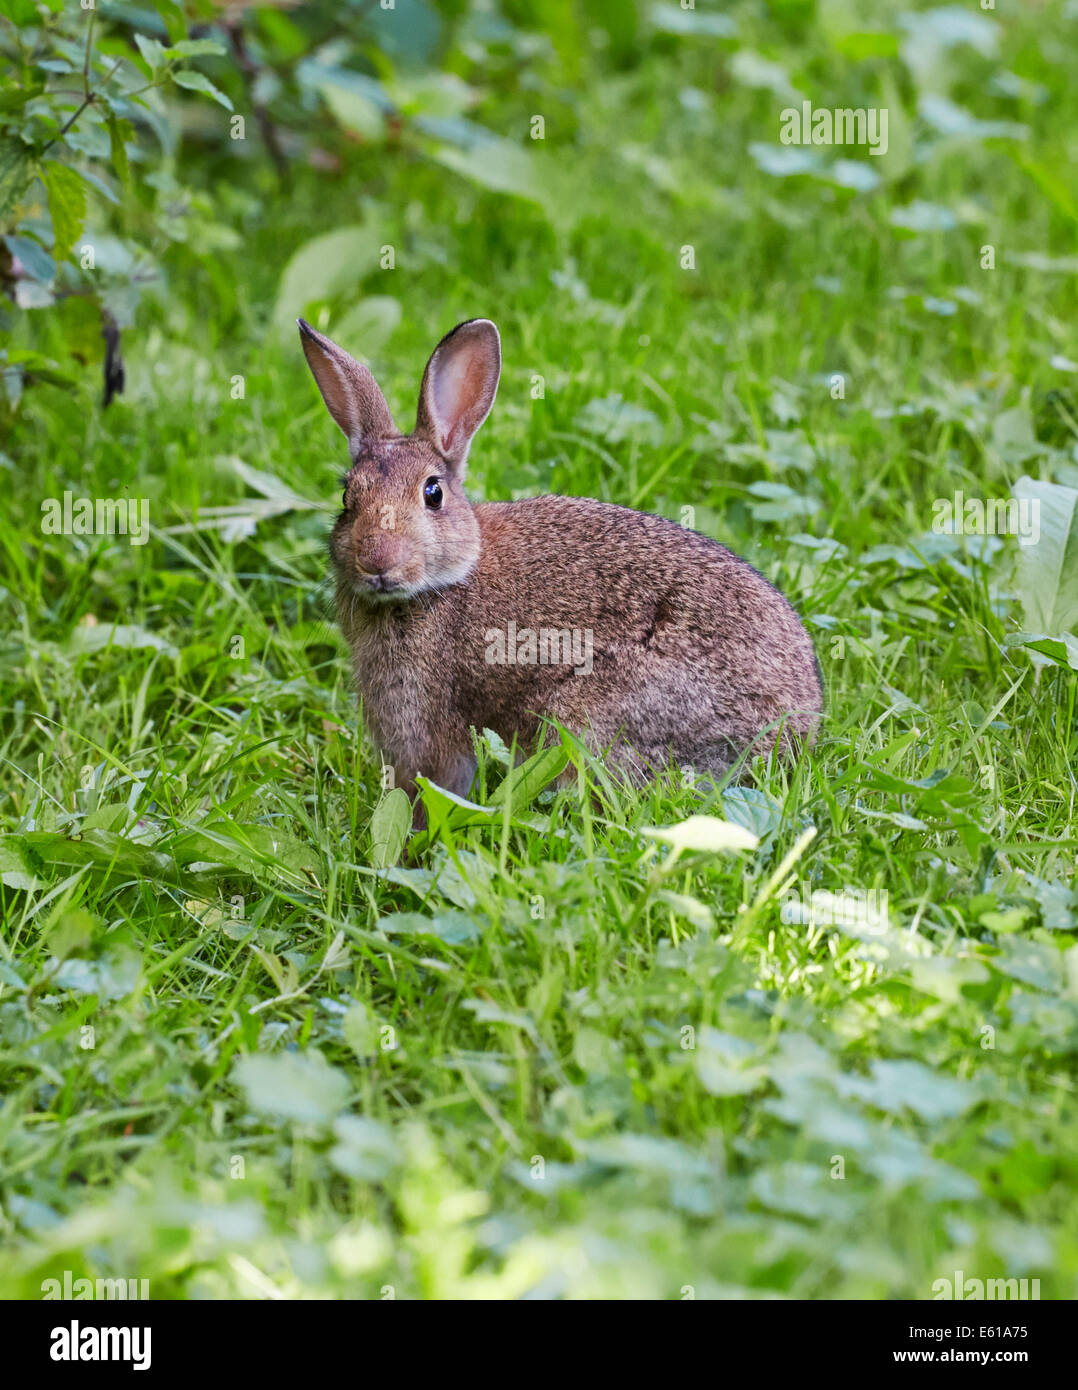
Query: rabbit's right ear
x,y
348,389
459,387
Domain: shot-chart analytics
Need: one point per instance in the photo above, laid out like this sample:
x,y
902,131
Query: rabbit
x,y
649,641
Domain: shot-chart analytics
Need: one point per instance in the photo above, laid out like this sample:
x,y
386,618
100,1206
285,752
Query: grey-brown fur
x,y
691,654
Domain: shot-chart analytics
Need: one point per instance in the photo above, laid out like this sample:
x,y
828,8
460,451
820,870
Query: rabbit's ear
x,y
348,389
459,387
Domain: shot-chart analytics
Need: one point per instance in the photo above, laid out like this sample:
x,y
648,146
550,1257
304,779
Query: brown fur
x,y
693,654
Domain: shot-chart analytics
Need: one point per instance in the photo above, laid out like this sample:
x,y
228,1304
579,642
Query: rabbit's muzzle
x,y
376,564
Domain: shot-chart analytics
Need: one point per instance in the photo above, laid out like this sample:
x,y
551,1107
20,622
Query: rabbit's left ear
x,y
351,394
458,389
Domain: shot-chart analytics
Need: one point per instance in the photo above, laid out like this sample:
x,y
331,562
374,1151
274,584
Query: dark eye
x,y
432,493
344,499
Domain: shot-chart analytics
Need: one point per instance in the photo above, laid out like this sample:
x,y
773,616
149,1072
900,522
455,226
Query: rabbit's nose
x,y
378,556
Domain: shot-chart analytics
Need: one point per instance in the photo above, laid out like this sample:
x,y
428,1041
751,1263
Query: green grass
x,y
592,1070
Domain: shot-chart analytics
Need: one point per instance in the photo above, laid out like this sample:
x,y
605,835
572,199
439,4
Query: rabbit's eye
x,y
432,493
344,499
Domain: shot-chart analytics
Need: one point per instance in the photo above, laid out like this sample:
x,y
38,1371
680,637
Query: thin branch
x,y
249,72
86,101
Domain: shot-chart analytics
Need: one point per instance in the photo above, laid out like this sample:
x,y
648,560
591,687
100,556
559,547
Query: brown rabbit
x,y
626,628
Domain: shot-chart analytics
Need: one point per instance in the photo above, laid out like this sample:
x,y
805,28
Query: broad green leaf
x,y
360,1030
946,976
454,928
755,809
73,932
698,913
196,82
446,810
116,635
1032,962
1048,568
369,324
113,975
16,869
252,849
653,1154
103,849
677,19
67,208
322,268
1013,435
707,833
366,1150
36,261
390,824
293,1086
354,111
1062,650
728,1065
524,783
487,1011
499,165
20,12
903,1084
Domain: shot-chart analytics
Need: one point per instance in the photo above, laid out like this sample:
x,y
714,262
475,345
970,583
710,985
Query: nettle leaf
x,y
118,148
67,208
153,53
196,48
196,82
17,168
1048,569
103,849
1013,435
248,848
